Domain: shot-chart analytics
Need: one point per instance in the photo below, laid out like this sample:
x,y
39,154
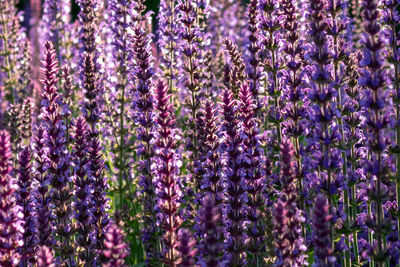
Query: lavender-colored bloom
x,y
296,109
10,213
235,173
168,41
272,63
373,79
168,190
190,35
24,68
55,19
392,19
120,22
45,257
25,200
210,246
145,118
186,248
321,220
115,249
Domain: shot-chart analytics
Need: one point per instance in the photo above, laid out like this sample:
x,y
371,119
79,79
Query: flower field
x,y
209,133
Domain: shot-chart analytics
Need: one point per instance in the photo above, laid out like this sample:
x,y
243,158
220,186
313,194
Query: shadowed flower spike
x,y
254,72
290,245
186,248
115,249
45,257
83,189
210,246
42,190
237,75
25,200
321,220
10,214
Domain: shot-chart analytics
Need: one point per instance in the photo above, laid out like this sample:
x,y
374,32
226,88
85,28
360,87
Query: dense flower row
x,y
264,133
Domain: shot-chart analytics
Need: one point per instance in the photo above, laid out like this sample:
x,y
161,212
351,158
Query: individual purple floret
x,y
321,238
11,216
210,246
168,190
115,249
25,200
45,257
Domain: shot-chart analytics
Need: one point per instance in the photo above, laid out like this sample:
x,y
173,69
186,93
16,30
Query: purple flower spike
x,y
83,188
236,213
211,243
253,167
186,248
42,191
236,73
10,213
373,79
115,249
58,155
209,166
321,220
290,246
144,114
169,193
45,257
254,72
25,200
